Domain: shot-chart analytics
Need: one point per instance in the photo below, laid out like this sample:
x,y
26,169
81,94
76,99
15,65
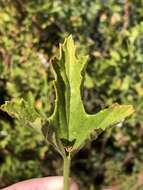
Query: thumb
x,y
47,183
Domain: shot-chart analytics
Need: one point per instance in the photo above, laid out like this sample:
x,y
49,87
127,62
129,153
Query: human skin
x,y
46,183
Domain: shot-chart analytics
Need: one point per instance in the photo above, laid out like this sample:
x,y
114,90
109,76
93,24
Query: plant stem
x,y
66,171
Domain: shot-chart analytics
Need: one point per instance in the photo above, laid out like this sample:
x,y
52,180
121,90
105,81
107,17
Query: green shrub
x,y
29,34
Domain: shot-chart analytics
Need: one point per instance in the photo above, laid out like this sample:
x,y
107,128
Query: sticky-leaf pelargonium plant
x,y
68,128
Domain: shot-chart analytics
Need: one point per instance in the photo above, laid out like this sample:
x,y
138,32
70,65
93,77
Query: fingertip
x,y
73,185
56,183
47,183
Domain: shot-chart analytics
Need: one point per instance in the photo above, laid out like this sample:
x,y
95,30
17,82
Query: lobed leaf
x,y
69,126
69,121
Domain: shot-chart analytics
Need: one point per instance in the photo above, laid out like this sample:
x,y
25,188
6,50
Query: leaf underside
x,y
69,125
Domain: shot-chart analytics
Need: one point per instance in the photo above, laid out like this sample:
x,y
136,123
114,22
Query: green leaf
x,y
23,112
69,122
69,126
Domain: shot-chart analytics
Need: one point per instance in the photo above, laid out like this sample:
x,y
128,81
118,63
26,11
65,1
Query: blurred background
x,y
111,33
